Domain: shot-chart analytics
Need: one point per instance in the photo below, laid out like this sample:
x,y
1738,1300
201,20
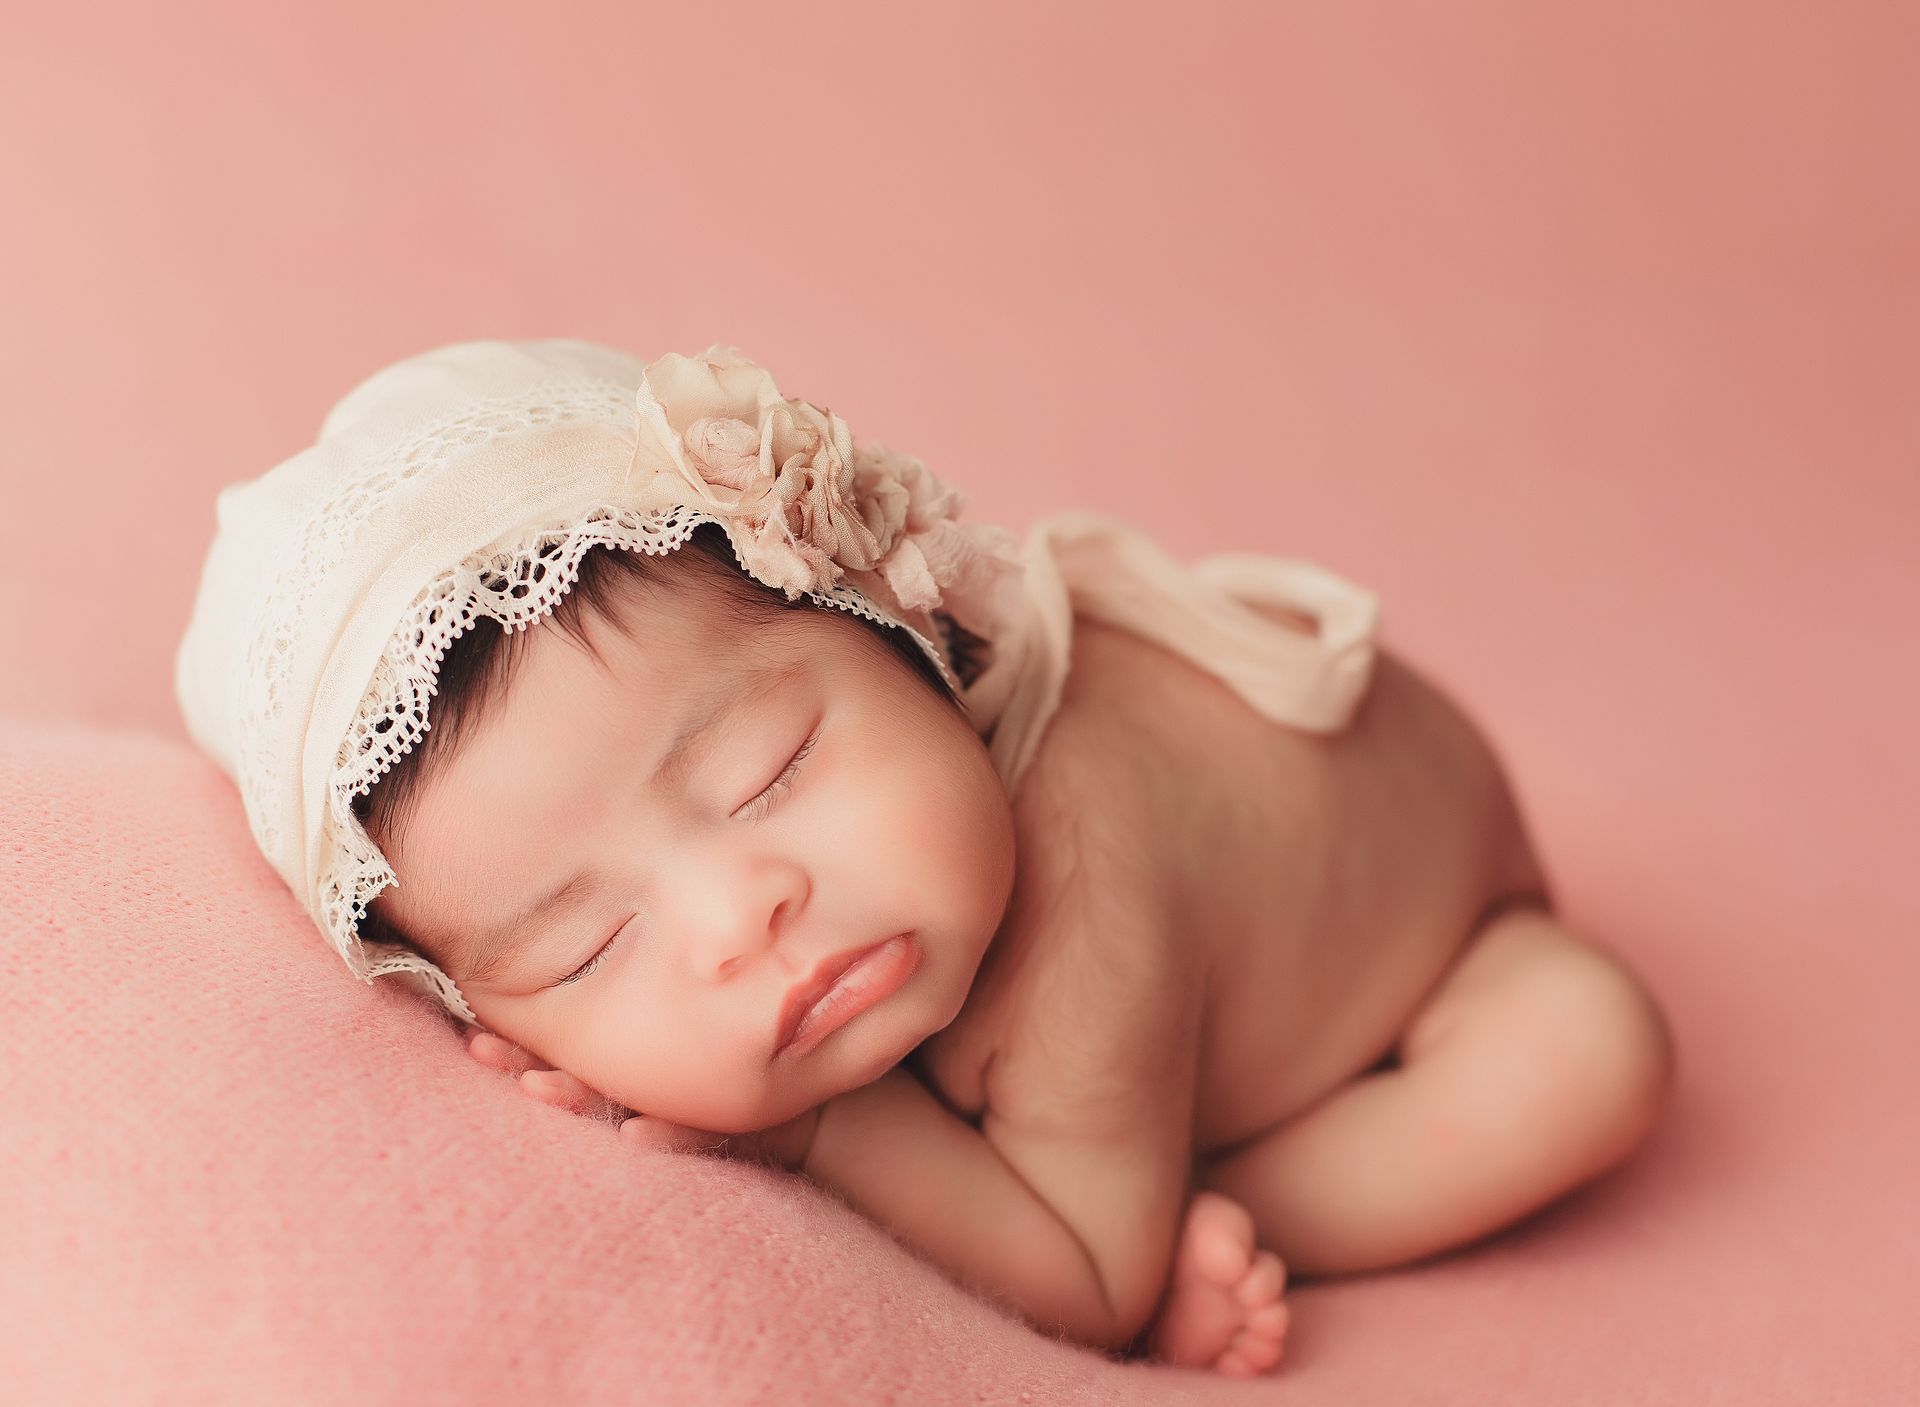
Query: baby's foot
x,y
1223,1310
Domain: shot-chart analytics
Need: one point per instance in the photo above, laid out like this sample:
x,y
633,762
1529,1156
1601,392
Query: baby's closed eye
x,y
781,784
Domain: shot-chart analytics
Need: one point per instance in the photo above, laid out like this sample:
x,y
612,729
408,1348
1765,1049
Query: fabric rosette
x,y
804,506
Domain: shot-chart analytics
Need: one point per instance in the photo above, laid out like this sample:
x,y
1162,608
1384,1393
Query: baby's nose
x,y
731,918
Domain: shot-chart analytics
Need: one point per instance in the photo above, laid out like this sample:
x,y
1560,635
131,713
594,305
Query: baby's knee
x,y
1579,1041
1610,1043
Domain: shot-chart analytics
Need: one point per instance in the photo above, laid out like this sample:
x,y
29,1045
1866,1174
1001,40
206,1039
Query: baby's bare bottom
x,y
1537,1063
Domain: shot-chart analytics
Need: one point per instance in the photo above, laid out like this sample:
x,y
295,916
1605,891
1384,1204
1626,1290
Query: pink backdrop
x,y
1589,340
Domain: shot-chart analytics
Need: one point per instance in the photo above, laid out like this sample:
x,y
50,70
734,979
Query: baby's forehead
x,y
564,742
652,673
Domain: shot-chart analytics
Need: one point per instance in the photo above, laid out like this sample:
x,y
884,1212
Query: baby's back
x,y
1191,872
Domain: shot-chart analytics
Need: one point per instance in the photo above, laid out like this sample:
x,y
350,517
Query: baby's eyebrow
x,y
510,941
708,721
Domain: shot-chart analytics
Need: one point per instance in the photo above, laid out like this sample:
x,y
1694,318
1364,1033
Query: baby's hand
x,y
785,1145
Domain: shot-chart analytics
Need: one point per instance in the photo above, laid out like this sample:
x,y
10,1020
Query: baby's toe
x,y
1234,1364
1262,1283
1258,1351
1218,1238
1270,1320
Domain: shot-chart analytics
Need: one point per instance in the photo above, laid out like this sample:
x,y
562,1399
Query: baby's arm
x,y
1068,1200
900,1157
897,1155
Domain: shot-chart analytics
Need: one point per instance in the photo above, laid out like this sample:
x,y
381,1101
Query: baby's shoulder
x,y
1084,810
1118,678
1090,899
1112,820
1142,735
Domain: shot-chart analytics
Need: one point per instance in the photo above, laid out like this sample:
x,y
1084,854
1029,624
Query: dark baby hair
x,y
480,665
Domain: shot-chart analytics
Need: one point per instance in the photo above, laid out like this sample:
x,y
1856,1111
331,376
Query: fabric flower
x,y
778,558
814,449
803,505
722,450
685,402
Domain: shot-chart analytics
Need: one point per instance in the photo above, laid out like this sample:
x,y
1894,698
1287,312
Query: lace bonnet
x,y
469,481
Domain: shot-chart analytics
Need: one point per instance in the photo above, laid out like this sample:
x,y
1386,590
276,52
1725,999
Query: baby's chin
x,y
852,1068
720,1114
856,1055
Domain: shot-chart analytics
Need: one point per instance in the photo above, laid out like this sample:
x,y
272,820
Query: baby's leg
x,y
1537,1063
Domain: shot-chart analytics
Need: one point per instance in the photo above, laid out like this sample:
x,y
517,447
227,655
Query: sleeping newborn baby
x,y
1195,954
1204,1001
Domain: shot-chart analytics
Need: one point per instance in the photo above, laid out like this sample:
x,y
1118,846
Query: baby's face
x,y
720,886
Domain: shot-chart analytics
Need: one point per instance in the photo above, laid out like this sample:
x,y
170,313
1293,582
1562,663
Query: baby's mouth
x,y
836,992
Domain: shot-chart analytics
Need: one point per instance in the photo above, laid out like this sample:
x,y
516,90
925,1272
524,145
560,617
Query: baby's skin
x,y
1208,1004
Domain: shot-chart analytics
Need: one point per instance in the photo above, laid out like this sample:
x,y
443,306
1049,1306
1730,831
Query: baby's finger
x,y
558,1088
497,1054
666,1137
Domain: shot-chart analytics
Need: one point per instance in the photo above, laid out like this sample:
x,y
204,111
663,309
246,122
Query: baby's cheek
x,y
974,845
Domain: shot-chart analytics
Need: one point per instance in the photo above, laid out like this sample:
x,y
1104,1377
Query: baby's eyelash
x,y
778,784
586,968
763,802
